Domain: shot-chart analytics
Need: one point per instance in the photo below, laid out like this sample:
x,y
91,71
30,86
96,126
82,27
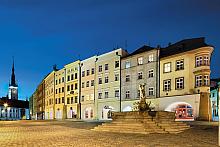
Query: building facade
x,y
214,98
72,90
107,83
88,72
139,67
40,101
185,70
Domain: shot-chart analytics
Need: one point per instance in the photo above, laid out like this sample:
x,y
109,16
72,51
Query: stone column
x,y
205,107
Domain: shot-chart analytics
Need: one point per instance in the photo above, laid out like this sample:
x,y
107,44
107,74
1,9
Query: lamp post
x,y
6,105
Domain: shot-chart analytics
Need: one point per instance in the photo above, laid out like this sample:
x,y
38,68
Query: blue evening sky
x,y
40,33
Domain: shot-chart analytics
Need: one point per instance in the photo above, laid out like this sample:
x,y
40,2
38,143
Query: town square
x,y
109,73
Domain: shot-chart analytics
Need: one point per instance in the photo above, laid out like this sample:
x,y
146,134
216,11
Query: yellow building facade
x,y
49,96
72,90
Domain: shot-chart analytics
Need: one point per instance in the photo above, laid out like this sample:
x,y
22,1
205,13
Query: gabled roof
x,y
183,46
144,48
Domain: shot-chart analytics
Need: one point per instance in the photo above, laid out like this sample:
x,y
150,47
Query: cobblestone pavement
x,y
69,133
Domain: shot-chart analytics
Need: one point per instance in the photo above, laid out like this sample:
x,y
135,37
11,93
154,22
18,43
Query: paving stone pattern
x,y
79,134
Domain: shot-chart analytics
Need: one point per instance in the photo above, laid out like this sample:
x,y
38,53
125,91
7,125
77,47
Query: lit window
x,y
127,78
167,67
198,61
116,93
198,80
140,60
179,65
116,64
127,64
151,91
206,60
140,75
151,73
206,80
167,85
180,83
127,95
151,58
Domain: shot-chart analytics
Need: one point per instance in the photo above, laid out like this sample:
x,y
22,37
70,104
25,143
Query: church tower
x,y
13,87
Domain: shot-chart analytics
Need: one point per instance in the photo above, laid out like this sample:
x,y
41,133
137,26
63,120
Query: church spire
x,y
13,82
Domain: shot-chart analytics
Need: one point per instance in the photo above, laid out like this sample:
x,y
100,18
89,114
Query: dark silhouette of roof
x,y
183,46
14,103
144,48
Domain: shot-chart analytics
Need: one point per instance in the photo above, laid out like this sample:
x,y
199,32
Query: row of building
x,y
176,78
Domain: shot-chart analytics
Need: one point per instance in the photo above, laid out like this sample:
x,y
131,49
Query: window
x,y
138,94
100,68
59,90
72,77
198,80
117,93
116,77
87,84
68,88
59,100
106,94
151,58
127,78
106,66
68,100
76,99
68,78
167,67
87,72
62,79
206,60
76,76
59,81
127,64
206,80
116,64
93,71
56,82
83,73
92,82
76,86
56,91
127,95
151,73
99,95
179,83
140,75
151,91
83,84
140,60
71,101
100,80
198,61
180,65
106,79
56,101
83,98
71,86
62,99
167,85
213,94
